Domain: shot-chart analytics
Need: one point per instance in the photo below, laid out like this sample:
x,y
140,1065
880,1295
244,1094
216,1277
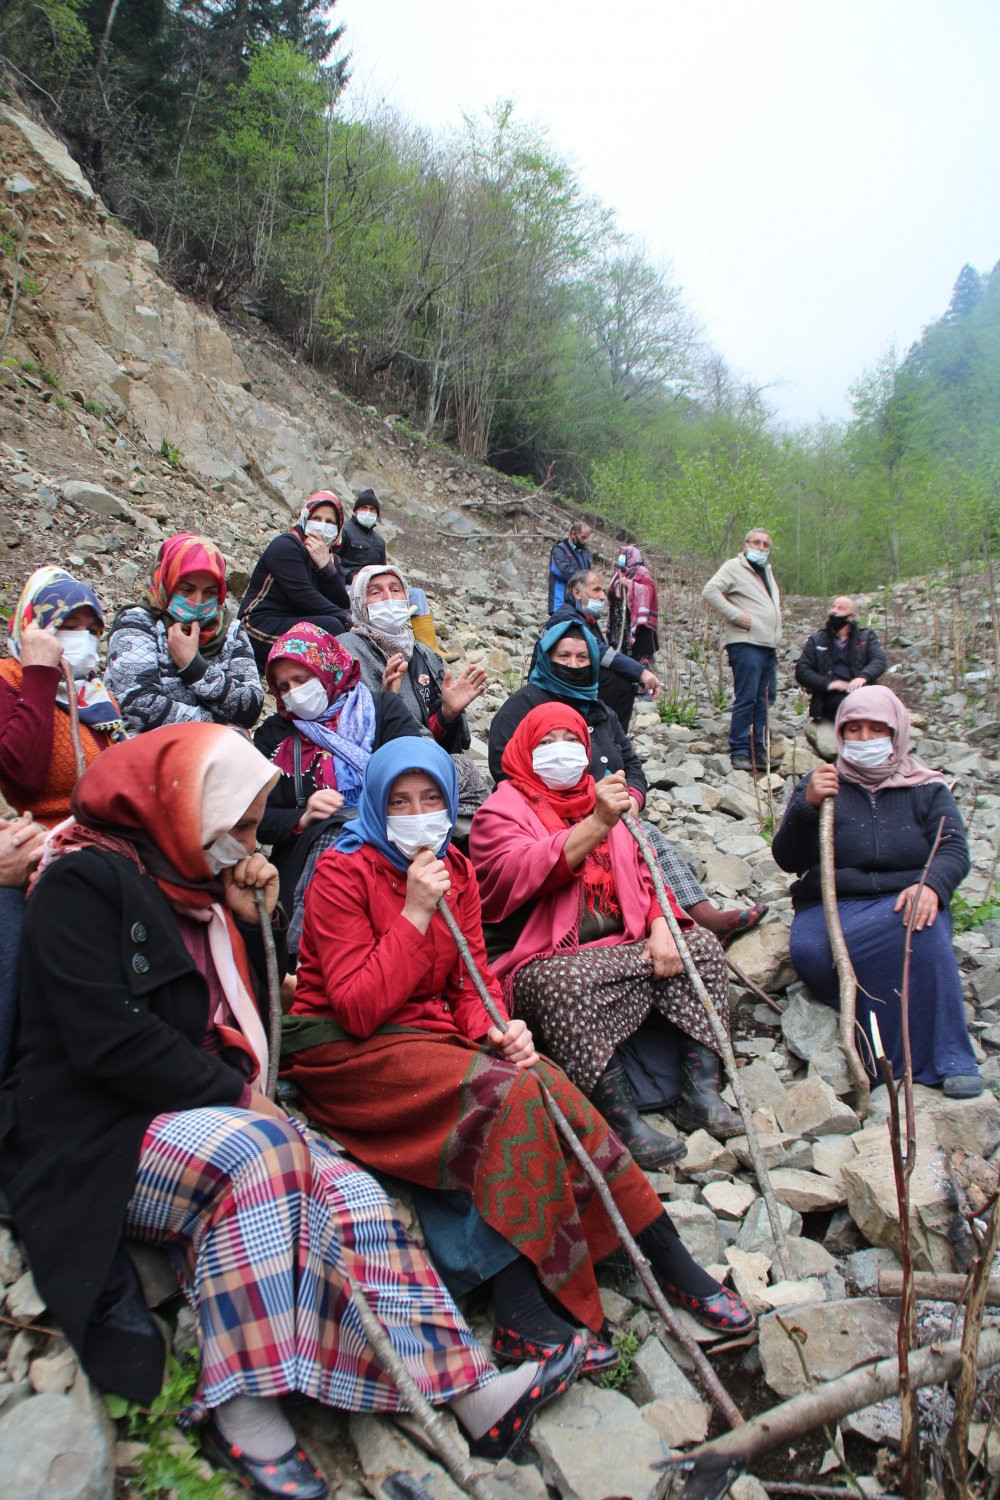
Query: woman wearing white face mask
x,y
299,577
582,948
326,726
888,808
391,658
56,619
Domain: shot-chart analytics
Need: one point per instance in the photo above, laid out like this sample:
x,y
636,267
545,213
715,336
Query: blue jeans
x,y
11,917
755,683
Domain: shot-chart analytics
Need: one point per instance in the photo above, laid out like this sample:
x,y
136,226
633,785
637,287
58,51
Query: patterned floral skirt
x,y
272,1228
581,1006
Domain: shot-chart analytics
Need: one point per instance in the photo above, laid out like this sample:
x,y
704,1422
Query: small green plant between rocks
x,y
677,711
171,1464
626,1341
967,915
170,453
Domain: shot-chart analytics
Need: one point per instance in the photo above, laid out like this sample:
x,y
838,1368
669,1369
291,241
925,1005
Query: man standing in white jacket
x,y
745,594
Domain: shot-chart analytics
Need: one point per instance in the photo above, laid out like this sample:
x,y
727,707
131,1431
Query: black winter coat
x,y
360,548
611,748
814,668
880,843
113,1013
286,588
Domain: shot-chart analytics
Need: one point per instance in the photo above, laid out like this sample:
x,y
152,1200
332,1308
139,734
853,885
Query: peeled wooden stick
x,y
273,992
725,1046
842,960
829,1400
713,1385
74,719
928,1287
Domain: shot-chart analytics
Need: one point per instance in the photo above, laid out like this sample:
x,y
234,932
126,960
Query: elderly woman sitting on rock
x,y
173,659
888,809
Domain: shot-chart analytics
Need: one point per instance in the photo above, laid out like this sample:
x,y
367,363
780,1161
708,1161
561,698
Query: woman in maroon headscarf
x,y
888,810
633,620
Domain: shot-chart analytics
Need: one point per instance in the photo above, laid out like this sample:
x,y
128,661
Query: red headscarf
x,y
560,807
312,647
180,556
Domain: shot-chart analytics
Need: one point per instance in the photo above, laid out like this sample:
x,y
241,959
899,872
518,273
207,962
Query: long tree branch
x,y
724,1044
842,960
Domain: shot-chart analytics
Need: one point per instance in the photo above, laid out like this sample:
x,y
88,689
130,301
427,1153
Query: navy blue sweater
x,y
880,843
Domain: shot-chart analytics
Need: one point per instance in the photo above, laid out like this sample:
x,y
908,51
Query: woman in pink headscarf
x,y
634,618
888,810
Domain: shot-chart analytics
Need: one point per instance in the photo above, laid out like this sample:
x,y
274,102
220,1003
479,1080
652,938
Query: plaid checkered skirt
x,y
271,1230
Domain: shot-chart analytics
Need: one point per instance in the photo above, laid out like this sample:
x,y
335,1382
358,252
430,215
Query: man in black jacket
x,y
361,544
837,660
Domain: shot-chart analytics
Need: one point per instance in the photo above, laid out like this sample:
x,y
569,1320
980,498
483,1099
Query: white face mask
x,y
560,764
621,559
411,832
307,701
324,529
868,752
365,518
755,555
224,852
593,607
390,615
80,650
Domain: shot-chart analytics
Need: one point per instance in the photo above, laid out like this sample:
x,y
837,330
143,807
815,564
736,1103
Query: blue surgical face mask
x,y
755,555
868,752
621,559
593,607
186,613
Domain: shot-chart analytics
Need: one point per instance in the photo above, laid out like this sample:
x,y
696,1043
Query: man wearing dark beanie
x,y
361,544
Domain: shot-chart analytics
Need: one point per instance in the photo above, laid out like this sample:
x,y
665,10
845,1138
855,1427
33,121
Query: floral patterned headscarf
x,y
336,747
310,646
48,598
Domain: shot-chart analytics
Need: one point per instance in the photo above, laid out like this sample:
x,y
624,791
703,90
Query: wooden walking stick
x,y
74,719
713,1385
724,1044
842,960
273,992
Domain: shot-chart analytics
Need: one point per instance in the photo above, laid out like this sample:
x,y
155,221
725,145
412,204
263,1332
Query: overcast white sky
x,y
817,172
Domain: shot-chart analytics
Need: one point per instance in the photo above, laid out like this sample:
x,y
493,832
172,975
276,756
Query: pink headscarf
x,y
882,705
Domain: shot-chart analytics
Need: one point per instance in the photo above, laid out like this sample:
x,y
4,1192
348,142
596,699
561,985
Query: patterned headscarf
x,y
388,644
180,556
321,497
48,598
160,800
339,743
388,762
882,705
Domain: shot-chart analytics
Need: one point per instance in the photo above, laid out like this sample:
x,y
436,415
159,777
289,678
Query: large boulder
x,y
762,955
52,1450
936,1226
591,1433
832,1338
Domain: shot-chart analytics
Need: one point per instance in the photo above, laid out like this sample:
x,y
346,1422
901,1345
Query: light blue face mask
x,y
593,607
186,613
755,555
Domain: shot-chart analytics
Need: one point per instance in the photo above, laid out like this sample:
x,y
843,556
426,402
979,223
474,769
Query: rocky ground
x,y
125,414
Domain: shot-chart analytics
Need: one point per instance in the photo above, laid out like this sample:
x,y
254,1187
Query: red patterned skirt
x,y
445,1113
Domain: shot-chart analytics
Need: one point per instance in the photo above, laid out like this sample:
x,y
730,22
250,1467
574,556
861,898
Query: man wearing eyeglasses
x,y
745,594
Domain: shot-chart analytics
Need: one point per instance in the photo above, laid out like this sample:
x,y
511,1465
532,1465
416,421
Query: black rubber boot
x,y
699,1106
613,1097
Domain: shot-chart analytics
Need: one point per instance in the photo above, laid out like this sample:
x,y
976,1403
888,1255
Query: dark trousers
x,y
755,682
11,917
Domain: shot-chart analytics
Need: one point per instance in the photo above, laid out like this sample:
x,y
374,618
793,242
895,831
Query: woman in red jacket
x,y
399,1060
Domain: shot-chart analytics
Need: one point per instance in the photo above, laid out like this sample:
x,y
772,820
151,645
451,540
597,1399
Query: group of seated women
x,y
135,1106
